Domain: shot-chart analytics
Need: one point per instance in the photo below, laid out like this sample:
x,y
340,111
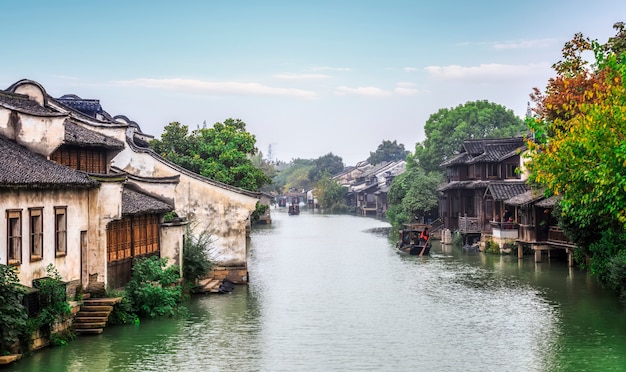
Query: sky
x,y
307,77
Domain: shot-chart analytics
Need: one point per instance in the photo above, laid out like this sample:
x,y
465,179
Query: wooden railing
x,y
555,234
469,225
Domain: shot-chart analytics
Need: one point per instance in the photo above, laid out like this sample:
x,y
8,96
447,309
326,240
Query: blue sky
x,y
307,77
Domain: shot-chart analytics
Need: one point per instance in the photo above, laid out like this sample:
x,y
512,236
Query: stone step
x,y
81,314
96,308
103,301
89,325
89,331
91,319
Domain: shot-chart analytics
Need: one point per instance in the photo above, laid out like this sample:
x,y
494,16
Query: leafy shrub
x,y
154,289
123,311
12,313
492,247
339,208
196,258
457,239
608,259
55,307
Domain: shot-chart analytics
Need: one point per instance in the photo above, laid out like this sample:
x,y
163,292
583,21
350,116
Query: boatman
x,y
424,235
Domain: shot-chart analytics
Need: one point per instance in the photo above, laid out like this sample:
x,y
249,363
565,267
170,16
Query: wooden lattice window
x,y
87,160
36,233
119,240
60,231
14,237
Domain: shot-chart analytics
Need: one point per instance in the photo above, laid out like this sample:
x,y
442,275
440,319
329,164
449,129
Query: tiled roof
x,y
549,202
464,185
489,150
20,168
506,190
77,135
23,103
525,198
134,202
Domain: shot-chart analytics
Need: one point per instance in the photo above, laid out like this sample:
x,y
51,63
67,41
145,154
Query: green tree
x,y
329,192
222,152
388,151
412,194
12,313
294,175
447,129
328,163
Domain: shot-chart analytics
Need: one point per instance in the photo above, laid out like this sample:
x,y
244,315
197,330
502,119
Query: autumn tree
x,y
578,151
388,151
222,152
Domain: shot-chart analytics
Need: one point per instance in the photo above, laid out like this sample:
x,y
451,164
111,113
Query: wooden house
x,y
484,174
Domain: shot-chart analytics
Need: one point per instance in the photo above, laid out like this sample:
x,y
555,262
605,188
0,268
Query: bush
x,y
122,312
154,289
492,247
608,259
339,208
12,313
196,258
457,239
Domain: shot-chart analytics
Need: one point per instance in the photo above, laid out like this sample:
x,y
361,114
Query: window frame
x,y
13,239
35,233
60,231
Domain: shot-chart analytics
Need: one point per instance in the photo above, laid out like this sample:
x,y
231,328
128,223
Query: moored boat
x,y
414,240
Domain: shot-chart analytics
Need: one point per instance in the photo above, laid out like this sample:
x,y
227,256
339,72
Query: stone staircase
x,y
93,315
208,285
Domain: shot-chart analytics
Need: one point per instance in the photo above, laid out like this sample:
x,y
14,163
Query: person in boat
x,y
424,235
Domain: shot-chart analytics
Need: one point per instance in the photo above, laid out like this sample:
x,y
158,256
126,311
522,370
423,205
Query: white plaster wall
x,y
42,135
172,238
105,206
76,201
208,207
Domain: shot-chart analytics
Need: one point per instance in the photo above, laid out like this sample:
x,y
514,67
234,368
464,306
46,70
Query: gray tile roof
x,y
23,103
135,202
464,185
489,150
505,190
549,202
23,169
525,198
77,135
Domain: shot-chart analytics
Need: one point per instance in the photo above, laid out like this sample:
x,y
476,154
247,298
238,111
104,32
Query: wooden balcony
x,y
469,225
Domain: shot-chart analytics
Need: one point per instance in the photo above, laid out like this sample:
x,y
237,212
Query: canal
x,y
329,293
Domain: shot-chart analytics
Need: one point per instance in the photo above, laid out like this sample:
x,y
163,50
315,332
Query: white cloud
x,y
408,69
362,91
487,71
213,88
401,89
525,44
290,76
328,68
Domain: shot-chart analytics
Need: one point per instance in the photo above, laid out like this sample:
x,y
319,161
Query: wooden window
x,y
36,234
493,170
91,161
119,240
511,170
60,229
14,237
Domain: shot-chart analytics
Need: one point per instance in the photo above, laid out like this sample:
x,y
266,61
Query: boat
x,y
409,241
294,210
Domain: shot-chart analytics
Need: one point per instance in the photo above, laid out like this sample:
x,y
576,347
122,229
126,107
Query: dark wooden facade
x,y
467,203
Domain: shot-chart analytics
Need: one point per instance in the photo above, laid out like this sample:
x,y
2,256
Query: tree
x,y
412,194
388,151
328,163
448,128
222,153
579,151
329,192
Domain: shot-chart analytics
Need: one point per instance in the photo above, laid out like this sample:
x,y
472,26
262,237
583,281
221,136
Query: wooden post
x,y
520,251
537,255
570,258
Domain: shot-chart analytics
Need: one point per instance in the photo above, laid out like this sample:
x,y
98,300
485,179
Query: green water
x,y
329,293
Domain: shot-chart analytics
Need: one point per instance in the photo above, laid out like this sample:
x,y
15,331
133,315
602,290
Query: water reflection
x,y
330,293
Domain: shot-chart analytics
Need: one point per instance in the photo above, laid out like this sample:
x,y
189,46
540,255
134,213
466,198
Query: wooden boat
x,y
294,210
409,241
